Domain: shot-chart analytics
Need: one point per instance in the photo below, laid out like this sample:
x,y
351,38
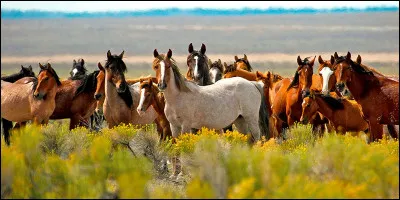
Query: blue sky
x,y
78,6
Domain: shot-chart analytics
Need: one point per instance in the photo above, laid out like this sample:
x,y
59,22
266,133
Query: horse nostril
x,y
97,96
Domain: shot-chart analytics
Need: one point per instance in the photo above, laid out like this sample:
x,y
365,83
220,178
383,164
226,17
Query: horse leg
x,y
376,130
392,131
254,129
176,167
241,125
228,128
74,122
7,125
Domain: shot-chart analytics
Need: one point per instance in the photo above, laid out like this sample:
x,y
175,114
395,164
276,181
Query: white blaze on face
x,y
326,73
74,71
162,64
195,68
140,106
213,75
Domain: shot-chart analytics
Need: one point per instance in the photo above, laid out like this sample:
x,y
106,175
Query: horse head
x,y
243,63
216,71
46,82
198,68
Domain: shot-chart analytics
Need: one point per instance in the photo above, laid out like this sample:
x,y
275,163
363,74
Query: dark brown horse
x,y
377,95
198,69
33,100
151,96
24,72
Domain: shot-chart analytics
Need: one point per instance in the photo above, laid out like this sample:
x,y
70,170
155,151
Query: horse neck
x,y
172,90
357,85
324,108
110,92
244,74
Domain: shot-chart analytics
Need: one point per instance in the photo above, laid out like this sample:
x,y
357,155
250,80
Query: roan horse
x,y
34,100
119,103
198,69
150,96
243,63
345,115
377,94
191,106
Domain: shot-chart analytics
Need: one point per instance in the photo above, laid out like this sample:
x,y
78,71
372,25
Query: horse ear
x,y
219,62
236,58
320,59
348,56
122,54
245,57
41,66
100,66
155,53
82,62
259,75
332,60
190,49
30,67
150,81
74,62
358,59
335,55
48,65
312,94
225,65
311,63
209,62
299,62
22,67
203,48
169,54
108,54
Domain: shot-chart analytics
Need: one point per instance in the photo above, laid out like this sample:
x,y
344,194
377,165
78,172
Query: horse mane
x,y
295,81
13,77
120,62
354,65
247,63
230,68
332,102
88,83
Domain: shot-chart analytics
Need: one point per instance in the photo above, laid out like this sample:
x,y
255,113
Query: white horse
x,y
119,104
215,106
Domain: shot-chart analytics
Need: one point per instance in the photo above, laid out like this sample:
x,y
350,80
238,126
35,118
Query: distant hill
x,y
18,14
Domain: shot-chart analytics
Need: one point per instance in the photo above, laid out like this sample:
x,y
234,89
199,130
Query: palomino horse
x,y
150,95
24,72
119,103
34,100
189,105
244,104
216,70
377,95
345,115
78,70
243,63
75,100
198,69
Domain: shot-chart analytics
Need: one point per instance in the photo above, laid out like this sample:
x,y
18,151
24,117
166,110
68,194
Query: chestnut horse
x,y
198,69
119,103
75,100
243,63
150,95
377,95
234,71
34,100
345,115
286,107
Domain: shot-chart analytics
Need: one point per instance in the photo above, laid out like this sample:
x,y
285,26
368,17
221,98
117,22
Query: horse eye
x,y
45,79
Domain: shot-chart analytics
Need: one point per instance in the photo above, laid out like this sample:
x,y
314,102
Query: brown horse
x,y
34,100
345,115
119,104
150,95
75,100
377,95
243,63
286,107
234,70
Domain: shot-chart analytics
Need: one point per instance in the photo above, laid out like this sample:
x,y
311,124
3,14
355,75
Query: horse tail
x,y
263,119
392,131
7,125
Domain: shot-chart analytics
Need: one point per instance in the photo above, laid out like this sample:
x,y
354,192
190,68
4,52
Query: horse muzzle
x,y
97,96
340,87
162,86
141,111
303,120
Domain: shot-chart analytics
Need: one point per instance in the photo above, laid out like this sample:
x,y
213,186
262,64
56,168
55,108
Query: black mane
x,y
204,69
335,104
295,81
21,74
88,84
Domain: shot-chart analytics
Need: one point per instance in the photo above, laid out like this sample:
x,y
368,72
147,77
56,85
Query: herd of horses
x,y
344,95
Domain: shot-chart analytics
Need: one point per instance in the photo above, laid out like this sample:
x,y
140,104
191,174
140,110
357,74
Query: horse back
x,y
19,95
